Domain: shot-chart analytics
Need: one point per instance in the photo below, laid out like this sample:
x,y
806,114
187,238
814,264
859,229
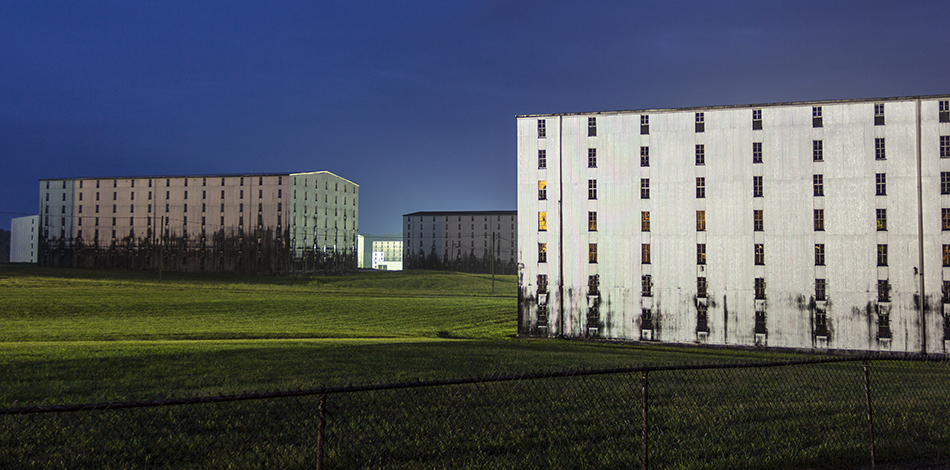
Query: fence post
x,y
867,396
645,432
321,430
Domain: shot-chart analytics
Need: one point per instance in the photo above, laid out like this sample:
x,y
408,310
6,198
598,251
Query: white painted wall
x,y
23,239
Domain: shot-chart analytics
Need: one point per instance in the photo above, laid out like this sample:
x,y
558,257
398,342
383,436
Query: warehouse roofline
x,y
437,213
736,106
207,175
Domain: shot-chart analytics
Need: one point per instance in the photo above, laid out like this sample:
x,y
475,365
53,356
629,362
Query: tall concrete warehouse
x,y
803,225
461,241
280,223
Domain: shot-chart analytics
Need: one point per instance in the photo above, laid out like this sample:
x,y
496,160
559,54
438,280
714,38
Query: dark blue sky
x,y
414,101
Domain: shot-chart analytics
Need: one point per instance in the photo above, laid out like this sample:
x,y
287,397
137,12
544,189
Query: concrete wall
x,y
850,237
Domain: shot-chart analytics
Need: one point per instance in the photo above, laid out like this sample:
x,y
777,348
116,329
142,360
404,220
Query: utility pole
x,y
493,263
161,249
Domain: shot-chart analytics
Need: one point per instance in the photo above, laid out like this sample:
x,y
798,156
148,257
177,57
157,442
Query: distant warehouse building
x,y
382,253
278,223
820,224
461,241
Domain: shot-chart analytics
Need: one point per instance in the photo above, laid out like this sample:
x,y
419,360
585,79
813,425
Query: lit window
x,y
817,151
756,119
700,221
700,154
591,189
700,187
542,252
757,222
645,253
645,220
591,126
542,130
879,149
819,254
700,122
542,159
759,254
818,185
644,156
882,255
592,221
592,252
542,190
946,255
945,215
880,184
645,187
591,158
756,152
819,220
878,114
882,219
816,116
542,221
756,186
700,253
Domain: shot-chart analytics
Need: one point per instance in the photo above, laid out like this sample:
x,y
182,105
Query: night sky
x,y
414,101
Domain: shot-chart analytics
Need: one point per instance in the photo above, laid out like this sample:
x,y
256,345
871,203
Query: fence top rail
x,y
462,381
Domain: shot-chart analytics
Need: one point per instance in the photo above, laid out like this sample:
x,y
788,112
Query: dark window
x,y
593,284
700,154
816,151
645,188
759,288
883,290
881,219
945,217
819,220
591,158
756,119
646,319
542,158
759,254
702,318
820,289
542,283
700,187
542,130
819,254
644,124
591,126
882,255
644,156
757,222
816,116
646,283
945,146
880,184
945,111
756,152
818,184
946,255
591,189
702,287
879,149
700,253
756,186
700,122
878,114
945,182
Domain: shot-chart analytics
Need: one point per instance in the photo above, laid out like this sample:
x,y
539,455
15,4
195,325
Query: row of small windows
x,y
168,182
880,153
700,120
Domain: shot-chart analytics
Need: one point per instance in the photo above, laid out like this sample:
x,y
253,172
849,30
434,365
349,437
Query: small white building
x,y
803,225
23,239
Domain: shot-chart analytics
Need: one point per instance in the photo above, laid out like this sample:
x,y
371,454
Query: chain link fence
x,y
846,412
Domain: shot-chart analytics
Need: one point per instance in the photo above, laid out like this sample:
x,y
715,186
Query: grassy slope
x,y
74,335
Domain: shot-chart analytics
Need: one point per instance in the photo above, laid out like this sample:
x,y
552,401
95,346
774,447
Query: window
x,y
645,220
757,222
756,119
756,186
542,190
946,298
759,254
702,287
542,221
879,149
591,126
881,219
883,290
644,124
880,180
646,319
592,252
945,111
820,289
591,189
760,288
700,122
756,152
945,215
945,146
542,283
946,255
646,283
645,187
945,182
878,114
819,220
816,151
700,187
818,184
819,254
702,318
542,130
816,116
593,284
591,221
591,158
542,252
700,221
700,253
700,154
542,159
644,156
882,255
645,253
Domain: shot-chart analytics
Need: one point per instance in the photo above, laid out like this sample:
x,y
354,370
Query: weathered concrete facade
x,y
274,223
802,225
460,241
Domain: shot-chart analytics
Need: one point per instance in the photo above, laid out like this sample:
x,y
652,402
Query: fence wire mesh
x,y
811,413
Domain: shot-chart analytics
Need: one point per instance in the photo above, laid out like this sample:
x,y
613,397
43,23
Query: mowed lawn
x,y
69,335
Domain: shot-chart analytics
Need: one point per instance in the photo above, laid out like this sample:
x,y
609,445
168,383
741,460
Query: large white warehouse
x,y
803,225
